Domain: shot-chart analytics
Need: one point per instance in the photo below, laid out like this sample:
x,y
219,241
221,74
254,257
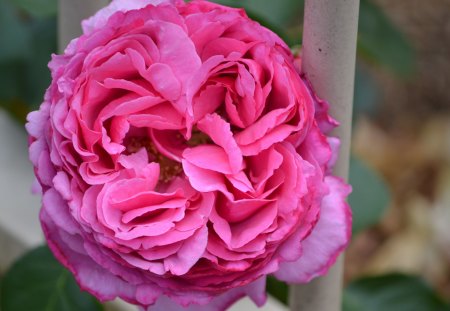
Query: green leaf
x,y
1,285
277,289
394,292
278,16
281,12
38,282
39,8
14,37
366,93
44,43
381,42
11,80
23,81
369,198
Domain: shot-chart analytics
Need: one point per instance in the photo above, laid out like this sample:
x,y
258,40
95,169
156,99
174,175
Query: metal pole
x,y
329,52
71,13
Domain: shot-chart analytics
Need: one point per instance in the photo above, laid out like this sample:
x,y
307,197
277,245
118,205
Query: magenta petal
x,y
101,17
241,182
89,275
208,157
62,185
335,145
248,230
188,255
168,143
138,161
37,120
327,240
204,180
58,211
164,81
255,290
219,131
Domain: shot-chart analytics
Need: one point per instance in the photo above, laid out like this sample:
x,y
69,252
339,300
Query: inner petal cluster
x,y
169,168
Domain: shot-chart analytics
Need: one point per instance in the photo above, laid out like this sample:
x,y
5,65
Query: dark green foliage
x,y
38,8
393,292
26,44
381,42
38,282
277,289
369,198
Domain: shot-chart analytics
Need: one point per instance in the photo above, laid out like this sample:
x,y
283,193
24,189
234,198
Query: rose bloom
x,y
182,159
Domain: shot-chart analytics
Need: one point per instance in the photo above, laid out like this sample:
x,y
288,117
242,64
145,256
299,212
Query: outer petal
x,y
326,241
324,120
101,17
256,291
37,120
69,250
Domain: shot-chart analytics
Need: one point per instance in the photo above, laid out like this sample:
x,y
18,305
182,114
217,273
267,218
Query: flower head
x,y
182,159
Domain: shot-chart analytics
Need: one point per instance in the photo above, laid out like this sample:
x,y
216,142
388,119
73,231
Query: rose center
x,y
168,167
198,138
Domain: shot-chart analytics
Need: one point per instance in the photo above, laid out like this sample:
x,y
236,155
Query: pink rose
x,y
182,159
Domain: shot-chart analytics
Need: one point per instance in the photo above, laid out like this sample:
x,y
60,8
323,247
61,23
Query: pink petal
x,y
169,143
57,210
37,120
62,185
335,144
189,253
160,252
327,240
208,157
240,210
68,249
207,101
204,180
161,117
241,182
255,290
164,81
138,161
268,130
245,231
219,131
101,17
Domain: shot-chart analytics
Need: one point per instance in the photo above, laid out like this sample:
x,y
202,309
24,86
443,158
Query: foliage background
x,y
400,255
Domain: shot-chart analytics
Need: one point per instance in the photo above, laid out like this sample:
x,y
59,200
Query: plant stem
x,y
329,52
70,15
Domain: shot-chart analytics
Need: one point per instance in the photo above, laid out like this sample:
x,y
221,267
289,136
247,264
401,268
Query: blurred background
x,y
399,258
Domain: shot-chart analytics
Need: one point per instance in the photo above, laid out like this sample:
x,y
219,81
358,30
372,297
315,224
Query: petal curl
x,y
255,290
326,241
101,17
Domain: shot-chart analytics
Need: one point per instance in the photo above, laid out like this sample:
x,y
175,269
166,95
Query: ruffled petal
x,y
101,17
326,241
69,250
255,290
